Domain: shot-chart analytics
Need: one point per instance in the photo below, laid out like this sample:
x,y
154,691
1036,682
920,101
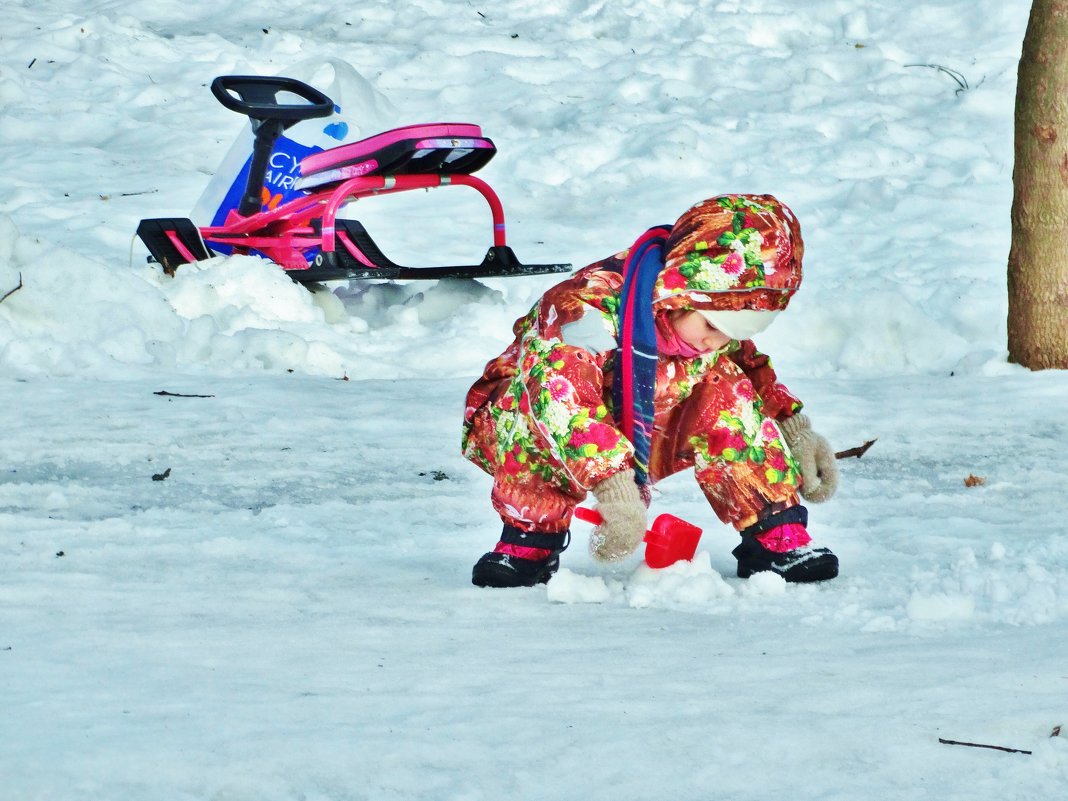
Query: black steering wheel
x,y
257,97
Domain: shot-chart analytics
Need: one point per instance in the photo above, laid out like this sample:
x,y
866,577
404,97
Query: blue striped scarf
x,y
634,382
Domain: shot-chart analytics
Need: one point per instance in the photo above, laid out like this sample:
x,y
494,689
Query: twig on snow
x,y
958,77
858,451
164,393
11,292
982,745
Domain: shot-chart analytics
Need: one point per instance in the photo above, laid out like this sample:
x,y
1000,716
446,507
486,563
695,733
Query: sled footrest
x,y
173,241
356,256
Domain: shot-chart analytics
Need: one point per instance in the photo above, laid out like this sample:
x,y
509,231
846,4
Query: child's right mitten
x,y
819,469
623,518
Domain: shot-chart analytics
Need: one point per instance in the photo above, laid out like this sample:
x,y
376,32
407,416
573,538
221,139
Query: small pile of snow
x,y
568,587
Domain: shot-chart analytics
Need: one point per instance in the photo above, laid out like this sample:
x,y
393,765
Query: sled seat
x,y
443,148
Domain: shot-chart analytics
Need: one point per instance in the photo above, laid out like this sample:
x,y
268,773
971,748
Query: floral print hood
x,y
732,252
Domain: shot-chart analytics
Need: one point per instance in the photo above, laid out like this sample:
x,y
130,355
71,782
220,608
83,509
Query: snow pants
x,y
739,457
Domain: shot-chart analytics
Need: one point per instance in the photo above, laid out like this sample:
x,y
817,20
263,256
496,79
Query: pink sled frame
x,y
283,233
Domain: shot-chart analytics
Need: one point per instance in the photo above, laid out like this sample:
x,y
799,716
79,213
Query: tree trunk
x,y
1038,257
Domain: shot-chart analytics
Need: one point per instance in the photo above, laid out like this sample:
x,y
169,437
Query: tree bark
x,y
1038,256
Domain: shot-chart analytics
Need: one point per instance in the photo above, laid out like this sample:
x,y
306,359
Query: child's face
x,y
696,331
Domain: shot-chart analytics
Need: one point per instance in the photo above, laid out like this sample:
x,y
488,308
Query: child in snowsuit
x,y
642,365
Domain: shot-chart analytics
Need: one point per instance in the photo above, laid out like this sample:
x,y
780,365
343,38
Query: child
x,y
637,367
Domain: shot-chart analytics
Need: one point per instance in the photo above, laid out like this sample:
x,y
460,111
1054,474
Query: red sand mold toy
x,y
305,236
670,539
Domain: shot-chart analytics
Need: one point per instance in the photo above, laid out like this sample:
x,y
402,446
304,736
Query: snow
x,y
288,614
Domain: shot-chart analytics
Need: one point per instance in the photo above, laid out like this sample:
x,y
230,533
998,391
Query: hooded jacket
x,y
732,252
551,388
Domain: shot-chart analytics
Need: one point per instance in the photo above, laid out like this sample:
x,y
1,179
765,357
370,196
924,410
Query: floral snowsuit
x,y
540,419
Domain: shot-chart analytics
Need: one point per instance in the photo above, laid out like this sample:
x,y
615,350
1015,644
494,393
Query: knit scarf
x,y
634,382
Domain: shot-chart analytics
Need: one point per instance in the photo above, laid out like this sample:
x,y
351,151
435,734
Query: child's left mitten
x,y
819,469
622,510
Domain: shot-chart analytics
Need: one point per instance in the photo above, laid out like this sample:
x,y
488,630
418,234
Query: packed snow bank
x,y
76,315
888,133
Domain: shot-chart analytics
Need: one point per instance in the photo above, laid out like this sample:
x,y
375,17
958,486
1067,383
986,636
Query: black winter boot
x,y
496,569
800,564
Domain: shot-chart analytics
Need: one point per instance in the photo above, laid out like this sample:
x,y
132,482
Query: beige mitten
x,y
623,518
819,470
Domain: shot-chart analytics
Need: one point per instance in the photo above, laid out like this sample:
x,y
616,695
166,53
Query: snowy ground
x,y
285,616
287,613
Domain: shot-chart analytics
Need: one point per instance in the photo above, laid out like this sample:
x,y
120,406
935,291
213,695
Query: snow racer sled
x,y
304,235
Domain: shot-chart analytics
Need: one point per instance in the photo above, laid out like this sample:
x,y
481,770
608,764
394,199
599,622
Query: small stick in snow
x,y
961,81
1056,732
981,745
858,451
11,292
162,476
164,393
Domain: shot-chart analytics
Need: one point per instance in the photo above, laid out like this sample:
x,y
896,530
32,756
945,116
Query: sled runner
x,y
304,235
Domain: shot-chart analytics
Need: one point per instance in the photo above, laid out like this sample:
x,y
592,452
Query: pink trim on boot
x,y
522,551
787,537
